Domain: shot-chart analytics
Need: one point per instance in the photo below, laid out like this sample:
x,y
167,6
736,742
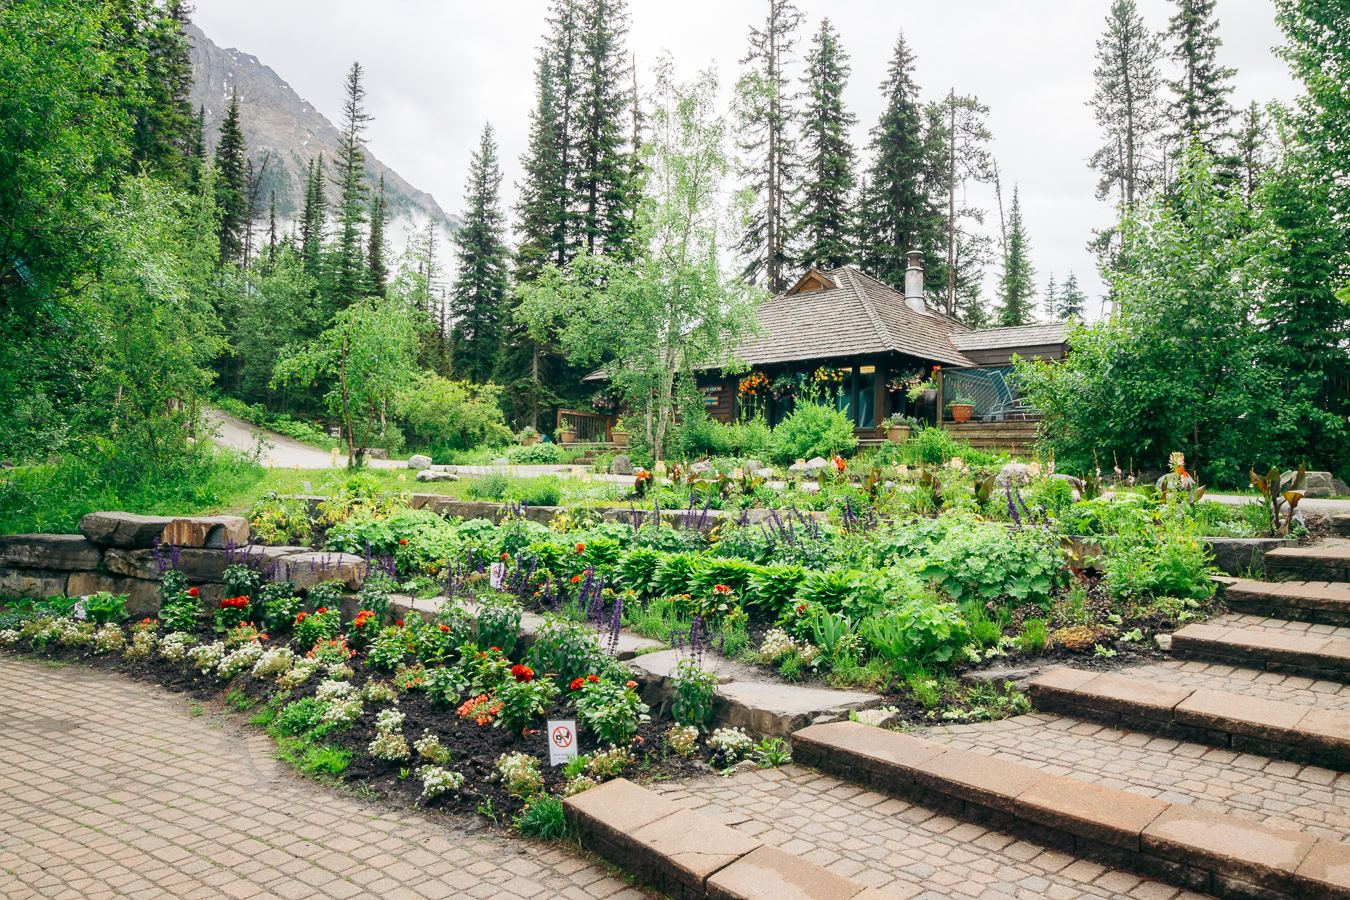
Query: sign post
x,y
562,741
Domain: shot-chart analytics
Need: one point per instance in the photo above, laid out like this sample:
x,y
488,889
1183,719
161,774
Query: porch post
x,y
881,397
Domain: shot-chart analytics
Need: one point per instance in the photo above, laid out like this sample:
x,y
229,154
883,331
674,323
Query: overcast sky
x,y
438,69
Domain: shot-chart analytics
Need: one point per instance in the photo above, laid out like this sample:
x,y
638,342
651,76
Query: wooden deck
x,y
1015,437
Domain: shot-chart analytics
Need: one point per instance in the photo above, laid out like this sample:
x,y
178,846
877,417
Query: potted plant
x,y
962,407
528,436
564,432
619,434
898,427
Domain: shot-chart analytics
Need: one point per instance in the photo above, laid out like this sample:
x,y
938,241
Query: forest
x,y
144,275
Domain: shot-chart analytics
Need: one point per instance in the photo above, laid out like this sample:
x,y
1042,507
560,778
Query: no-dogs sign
x,y
562,741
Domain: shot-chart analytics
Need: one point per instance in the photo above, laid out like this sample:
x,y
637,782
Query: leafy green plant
x,y
499,623
104,608
1034,637
523,700
828,629
812,430
918,632
695,694
770,589
675,572
566,650
278,606
241,581
543,818
610,711
771,752
983,561
638,567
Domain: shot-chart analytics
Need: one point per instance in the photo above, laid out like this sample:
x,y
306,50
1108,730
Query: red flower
x,y
592,678
577,683
403,542
445,628
498,649
503,557
399,623
301,617
523,674
192,592
839,463
630,685
801,609
721,589
581,548
321,609
576,578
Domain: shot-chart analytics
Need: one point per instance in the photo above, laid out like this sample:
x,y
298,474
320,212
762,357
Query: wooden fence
x,y
590,427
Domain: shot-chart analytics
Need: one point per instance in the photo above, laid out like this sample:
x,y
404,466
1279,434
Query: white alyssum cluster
x,y
240,659
273,662
175,646
207,656
520,773
109,639
437,780
731,743
334,690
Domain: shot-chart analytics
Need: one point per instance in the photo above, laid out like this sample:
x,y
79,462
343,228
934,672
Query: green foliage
x,y
566,650
543,818
987,562
499,623
695,694
812,430
674,573
609,710
638,569
933,446
104,608
453,415
1150,560
771,588
919,632
542,453
1034,637
523,702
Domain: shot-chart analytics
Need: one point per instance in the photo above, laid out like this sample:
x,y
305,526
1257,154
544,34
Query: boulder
x,y
142,595
133,532
419,461
1013,473
64,552
877,718
433,475
501,461
808,487
1319,485
31,583
753,464
198,565
764,472
621,465
1340,487
702,467
778,486
815,464
377,453
308,569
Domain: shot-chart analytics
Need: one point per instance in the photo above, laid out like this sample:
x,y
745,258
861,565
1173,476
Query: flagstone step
x,y
1197,849
1272,649
683,853
1341,525
1324,561
1322,602
1237,721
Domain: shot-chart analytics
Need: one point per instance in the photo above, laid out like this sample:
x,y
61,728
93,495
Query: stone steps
x,y
1305,734
1321,602
1341,525
1325,561
1193,848
685,854
1274,650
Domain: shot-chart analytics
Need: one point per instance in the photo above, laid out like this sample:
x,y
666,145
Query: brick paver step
x,y
1221,718
1325,561
1198,849
1341,525
1275,650
1326,603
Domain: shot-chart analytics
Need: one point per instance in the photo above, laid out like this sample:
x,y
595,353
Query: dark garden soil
x,y
474,749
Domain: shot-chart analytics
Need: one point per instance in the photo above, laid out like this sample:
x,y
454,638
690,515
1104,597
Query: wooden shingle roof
x,y
1020,336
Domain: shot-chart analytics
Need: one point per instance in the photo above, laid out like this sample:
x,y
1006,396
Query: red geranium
x,y
399,623
801,609
577,683
721,589
581,548
522,673
445,628
592,678
192,592
234,603
403,542
839,463
301,617
504,557
576,578
321,609
630,685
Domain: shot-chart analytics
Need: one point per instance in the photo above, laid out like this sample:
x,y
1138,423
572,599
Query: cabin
x,y
841,336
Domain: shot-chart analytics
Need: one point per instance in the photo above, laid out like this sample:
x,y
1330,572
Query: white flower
x,y
274,662
732,743
343,712
109,638
777,644
437,781
298,673
9,636
390,745
207,656
175,646
430,746
239,660
334,690
389,720
681,739
521,774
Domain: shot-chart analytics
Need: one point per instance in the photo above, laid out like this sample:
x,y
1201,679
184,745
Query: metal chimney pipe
x,y
914,282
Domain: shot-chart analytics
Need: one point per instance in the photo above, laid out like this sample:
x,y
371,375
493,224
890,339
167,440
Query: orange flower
x,y
581,548
630,685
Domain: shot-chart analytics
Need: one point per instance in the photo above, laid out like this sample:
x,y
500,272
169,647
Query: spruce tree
x,y
313,220
824,226
478,298
271,225
974,252
767,115
1251,142
964,143
1127,106
377,272
897,212
1051,298
1017,287
348,274
603,180
231,184
196,156
1200,109
162,131
1072,301
541,214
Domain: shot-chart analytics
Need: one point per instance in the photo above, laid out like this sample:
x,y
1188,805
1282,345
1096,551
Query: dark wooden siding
x,y
1002,356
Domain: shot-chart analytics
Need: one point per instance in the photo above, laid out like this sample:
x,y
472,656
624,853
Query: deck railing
x,y
590,427
992,390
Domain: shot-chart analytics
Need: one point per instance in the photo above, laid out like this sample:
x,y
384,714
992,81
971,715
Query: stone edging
x,y
1315,656
1317,602
687,855
1193,848
1247,724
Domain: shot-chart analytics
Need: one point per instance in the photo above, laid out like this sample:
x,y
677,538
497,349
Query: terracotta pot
x,y
897,434
529,441
567,437
961,412
619,438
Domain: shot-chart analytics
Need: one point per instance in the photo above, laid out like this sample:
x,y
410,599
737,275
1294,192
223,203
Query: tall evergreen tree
x,y
1199,109
824,226
966,158
162,132
313,220
898,214
1051,298
196,162
1251,157
377,271
974,253
767,115
478,298
271,224
1017,288
603,179
1072,302
348,270
541,214
231,184
1127,106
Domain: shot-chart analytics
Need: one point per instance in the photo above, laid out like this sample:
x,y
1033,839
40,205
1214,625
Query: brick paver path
x,y
1281,794
905,851
111,788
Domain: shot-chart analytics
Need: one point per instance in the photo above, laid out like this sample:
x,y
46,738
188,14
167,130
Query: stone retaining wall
x,y
124,553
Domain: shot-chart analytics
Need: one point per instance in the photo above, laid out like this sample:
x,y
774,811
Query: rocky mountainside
x,y
280,123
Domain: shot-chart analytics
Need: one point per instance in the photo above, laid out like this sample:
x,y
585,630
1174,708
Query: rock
x,y
501,461
419,461
763,472
815,464
621,465
1237,556
197,565
1020,676
1318,486
753,464
808,487
1164,642
702,467
33,584
432,475
377,453
825,719
877,718
308,569
1013,473
142,595
778,486
48,551
130,531
1076,482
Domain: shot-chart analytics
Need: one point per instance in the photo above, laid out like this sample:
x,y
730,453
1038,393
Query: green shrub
x,y
1170,559
453,414
674,573
543,818
545,491
771,588
934,446
499,623
695,694
492,487
1033,638
918,632
982,561
638,567
812,430
539,454
734,573
566,650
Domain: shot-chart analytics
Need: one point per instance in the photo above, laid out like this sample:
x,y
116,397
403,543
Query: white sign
x,y
308,489
562,742
497,575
